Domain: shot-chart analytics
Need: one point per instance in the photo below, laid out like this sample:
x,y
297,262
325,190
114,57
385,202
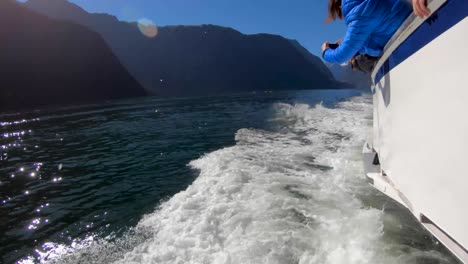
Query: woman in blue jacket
x,y
371,24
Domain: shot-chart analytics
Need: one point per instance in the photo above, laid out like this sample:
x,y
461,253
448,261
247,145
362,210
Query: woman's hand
x,y
420,8
325,45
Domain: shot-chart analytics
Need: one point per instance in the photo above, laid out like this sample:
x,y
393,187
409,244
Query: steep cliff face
x,y
46,62
185,60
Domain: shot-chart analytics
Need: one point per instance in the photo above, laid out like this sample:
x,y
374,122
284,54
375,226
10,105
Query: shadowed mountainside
x,y
44,62
195,60
346,74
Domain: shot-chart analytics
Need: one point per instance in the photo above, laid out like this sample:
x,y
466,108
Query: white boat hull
x,y
420,130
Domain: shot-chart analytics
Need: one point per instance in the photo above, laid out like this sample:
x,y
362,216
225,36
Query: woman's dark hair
x,y
334,10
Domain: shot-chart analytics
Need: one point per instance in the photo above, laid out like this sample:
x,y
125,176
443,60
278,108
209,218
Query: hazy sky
x,y
297,19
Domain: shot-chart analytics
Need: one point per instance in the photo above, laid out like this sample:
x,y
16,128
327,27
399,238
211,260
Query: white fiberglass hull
x,y
420,131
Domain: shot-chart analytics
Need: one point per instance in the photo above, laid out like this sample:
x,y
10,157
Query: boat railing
x,y
406,29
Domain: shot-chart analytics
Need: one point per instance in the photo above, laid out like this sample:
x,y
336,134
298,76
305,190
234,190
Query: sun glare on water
x,y
148,28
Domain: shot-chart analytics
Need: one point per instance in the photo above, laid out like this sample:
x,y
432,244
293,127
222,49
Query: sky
x,y
303,20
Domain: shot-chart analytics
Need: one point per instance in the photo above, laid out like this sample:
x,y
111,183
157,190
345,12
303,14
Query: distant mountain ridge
x,y
47,62
346,74
194,60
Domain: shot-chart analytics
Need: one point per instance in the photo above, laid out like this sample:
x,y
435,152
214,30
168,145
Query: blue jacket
x,y
371,24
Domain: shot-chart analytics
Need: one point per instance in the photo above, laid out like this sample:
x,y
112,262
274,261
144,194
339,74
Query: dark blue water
x,y
71,172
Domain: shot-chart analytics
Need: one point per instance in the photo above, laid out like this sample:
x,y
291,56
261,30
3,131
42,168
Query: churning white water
x,y
289,196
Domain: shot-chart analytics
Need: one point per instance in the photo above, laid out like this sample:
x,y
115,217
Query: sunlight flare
x,y
148,28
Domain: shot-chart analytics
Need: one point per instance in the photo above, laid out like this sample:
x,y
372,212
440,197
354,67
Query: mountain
x,y
45,62
186,60
321,67
346,74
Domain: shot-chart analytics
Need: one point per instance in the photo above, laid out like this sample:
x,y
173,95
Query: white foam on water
x,y
276,197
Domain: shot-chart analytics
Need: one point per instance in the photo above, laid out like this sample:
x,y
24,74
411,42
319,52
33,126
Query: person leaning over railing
x,y
370,24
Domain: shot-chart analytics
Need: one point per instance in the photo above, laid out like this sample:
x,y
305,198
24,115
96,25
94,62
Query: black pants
x,y
364,62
